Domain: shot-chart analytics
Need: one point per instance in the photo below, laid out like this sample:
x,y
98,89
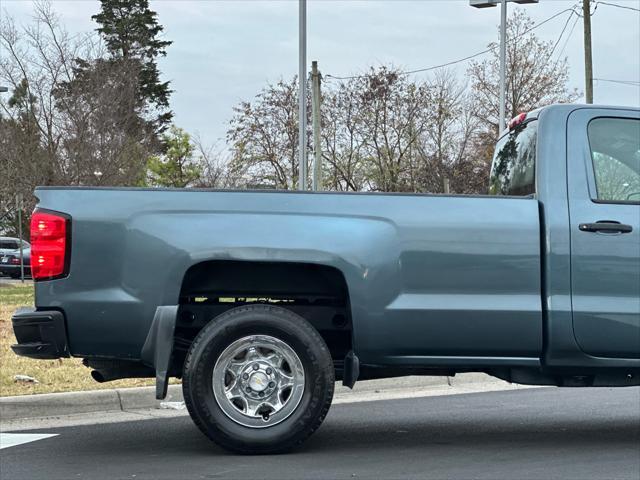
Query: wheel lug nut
x,y
269,371
248,389
245,376
272,384
261,394
256,366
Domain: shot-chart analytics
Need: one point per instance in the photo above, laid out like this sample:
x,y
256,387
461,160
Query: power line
x,y
564,29
566,42
427,69
409,72
632,83
620,6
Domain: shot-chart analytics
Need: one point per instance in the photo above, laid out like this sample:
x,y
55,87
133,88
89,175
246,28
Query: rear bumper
x,y
40,334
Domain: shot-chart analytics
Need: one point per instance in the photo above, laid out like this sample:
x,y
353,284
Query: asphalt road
x,y
523,434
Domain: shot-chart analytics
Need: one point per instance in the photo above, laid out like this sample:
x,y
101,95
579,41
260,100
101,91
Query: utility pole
x,y
446,186
315,107
588,54
19,208
302,94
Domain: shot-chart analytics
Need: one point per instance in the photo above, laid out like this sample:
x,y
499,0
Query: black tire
x,y
235,324
14,275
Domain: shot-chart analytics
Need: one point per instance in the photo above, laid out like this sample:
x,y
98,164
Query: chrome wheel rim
x,y
258,381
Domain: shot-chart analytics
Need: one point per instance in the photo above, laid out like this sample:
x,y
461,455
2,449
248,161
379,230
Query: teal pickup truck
x,y
260,300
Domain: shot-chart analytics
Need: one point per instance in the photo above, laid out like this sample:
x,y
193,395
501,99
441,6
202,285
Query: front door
x,y
604,209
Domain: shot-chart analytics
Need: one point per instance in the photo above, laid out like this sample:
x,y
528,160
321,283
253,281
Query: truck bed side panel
x,y
428,276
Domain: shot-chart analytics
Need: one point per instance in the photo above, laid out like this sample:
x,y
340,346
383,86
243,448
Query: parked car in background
x,y
9,244
10,249
10,263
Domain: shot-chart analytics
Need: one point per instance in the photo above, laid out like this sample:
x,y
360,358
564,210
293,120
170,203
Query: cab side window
x,y
513,171
615,154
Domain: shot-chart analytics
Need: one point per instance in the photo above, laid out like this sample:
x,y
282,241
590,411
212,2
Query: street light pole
x,y
588,55
19,208
503,64
302,95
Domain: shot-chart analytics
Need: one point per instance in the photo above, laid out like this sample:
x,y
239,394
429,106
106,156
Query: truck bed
x,y
434,274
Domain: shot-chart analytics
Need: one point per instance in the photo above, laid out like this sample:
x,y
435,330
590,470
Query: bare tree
x,y
534,77
393,115
263,136
381,132
72,117
216,166
105,141
371,127
446,149
343,146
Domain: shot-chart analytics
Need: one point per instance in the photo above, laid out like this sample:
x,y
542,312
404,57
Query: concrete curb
x,y
126,399
71,403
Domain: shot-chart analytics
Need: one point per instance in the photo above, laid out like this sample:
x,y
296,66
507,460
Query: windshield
x,y
513,171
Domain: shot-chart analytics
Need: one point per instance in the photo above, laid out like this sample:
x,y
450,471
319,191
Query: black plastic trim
x,y
158,347
40,334
351,370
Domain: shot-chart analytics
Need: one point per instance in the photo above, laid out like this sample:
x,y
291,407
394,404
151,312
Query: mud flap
x,y
351,369
158,346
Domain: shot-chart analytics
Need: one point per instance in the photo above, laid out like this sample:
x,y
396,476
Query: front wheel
x,y
258,379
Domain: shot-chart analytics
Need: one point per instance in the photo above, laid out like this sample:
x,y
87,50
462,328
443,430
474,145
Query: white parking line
x,y
12,439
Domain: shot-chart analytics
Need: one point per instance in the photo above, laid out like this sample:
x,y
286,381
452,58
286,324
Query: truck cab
x,y
583,166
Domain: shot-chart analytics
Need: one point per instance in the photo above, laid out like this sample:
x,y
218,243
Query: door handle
x,y
606,226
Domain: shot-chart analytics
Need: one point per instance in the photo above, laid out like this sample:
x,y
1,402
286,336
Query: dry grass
x,y
62,375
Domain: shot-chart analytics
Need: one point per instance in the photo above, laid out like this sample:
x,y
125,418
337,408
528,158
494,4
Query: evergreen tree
x,y
176,168
131,32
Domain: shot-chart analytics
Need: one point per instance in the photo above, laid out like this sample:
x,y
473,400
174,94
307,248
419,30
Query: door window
x,y
615,153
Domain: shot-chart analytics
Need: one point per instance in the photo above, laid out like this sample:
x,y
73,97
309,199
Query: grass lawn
x,y
60,375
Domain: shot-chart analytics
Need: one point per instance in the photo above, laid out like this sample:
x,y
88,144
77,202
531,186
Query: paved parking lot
x,y
520,434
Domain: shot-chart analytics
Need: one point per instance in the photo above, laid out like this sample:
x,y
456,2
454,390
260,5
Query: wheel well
x,y
318,293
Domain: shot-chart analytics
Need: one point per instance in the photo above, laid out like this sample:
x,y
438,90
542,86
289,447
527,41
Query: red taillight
x,y
15,261
49,234
517,121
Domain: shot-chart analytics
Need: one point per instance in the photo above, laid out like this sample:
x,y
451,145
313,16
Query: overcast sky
x,y
225,51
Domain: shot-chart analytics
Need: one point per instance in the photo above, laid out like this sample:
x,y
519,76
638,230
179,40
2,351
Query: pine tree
x,y
177,168
131,32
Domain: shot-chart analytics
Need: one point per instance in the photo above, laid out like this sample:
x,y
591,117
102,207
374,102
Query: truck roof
x,y
568,108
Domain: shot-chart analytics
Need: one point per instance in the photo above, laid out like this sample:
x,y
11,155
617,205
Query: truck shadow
x,y
480,433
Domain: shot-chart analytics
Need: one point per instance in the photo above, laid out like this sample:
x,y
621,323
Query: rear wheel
x,y
258,379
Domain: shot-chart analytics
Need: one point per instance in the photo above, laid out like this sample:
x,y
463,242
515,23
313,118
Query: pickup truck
x,y
260,300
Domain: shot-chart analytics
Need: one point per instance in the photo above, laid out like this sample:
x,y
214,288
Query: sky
x,y
225,51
